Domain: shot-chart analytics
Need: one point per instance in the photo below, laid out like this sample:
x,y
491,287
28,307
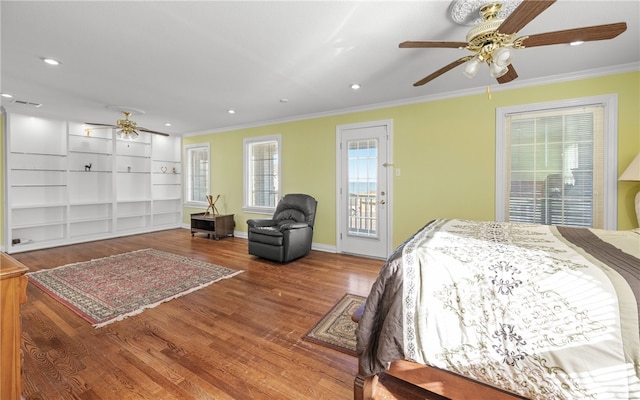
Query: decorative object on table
x,y
163,169
212,205
336,329
288,234
113,288
88,167
632,173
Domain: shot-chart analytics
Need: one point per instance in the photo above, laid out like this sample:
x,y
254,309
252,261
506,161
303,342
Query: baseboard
x,y
324,247
327,248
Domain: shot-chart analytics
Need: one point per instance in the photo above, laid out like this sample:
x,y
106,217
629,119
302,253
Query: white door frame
x,y
387,167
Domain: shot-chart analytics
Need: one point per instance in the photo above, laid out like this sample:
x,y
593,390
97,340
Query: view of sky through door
x,y
363,185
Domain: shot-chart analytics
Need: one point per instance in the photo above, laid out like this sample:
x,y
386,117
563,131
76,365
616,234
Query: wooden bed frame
x,y
434,380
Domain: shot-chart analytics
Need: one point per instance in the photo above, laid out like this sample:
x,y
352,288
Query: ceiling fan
x,y
127,129
492,41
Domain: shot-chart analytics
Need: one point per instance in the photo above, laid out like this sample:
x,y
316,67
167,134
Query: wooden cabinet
x,y
13,292
216,225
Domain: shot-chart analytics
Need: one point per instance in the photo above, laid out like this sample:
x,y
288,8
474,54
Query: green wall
x,y
445,150
2,138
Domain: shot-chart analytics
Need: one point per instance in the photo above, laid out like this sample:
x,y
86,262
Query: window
x,y
362,172
554,163
261,173
197,174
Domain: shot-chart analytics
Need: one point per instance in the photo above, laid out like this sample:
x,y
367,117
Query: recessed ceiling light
x,y
231,111
7,95
576,43
355,86
167,124
51,61
284,100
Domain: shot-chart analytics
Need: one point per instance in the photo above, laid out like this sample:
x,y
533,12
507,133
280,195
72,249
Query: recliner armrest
x,y
293,225
253,223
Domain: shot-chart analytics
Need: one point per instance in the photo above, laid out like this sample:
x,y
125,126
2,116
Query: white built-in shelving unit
x,y
166,181
66,185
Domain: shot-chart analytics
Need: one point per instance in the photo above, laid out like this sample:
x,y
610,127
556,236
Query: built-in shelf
x,y
65,186
39,224
28,153
37,205
37,185
88,152
38,169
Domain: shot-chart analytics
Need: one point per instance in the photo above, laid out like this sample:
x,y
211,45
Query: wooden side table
x,y
13,291
213,225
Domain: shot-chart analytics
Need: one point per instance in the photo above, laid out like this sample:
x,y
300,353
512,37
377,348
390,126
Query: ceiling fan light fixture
x,y
498,30
497,71
502,56
127,135
471,67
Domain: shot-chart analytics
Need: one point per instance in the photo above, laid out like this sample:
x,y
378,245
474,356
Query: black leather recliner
x,y
288,234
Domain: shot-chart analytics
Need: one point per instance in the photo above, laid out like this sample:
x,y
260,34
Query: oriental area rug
x,y
336,329
110,289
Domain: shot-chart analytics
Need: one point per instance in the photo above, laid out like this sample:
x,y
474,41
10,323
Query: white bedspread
x,y
516,307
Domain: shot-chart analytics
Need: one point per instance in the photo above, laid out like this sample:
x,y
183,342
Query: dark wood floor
x,y
239,338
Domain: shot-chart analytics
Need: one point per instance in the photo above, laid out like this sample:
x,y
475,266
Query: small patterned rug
x,y
110,289
336,329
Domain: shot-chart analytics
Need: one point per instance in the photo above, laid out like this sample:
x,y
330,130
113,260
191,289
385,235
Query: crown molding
x,y
519,84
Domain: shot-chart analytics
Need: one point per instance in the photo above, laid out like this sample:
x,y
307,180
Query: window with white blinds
x,y
553,162
262,173
197,174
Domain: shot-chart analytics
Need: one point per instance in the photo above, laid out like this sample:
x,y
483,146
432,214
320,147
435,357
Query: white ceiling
x,y
189,62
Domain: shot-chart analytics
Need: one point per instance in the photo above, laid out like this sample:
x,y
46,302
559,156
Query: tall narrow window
x,y
362,171
553,166
197,174
262,173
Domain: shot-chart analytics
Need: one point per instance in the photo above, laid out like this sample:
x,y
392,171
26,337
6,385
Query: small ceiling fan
x,y
492,41
127,129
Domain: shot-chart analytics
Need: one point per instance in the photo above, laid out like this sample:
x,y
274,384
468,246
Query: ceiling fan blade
x,y
99,124
442,70
150,131
523,14
427,44
509,76
586,34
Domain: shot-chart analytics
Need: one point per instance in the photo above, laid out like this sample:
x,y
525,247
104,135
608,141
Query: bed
x,y
495,310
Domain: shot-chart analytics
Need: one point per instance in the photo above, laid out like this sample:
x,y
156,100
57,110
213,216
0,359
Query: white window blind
x,y
555,164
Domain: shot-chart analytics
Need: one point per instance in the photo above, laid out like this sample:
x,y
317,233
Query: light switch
x,y
397,171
